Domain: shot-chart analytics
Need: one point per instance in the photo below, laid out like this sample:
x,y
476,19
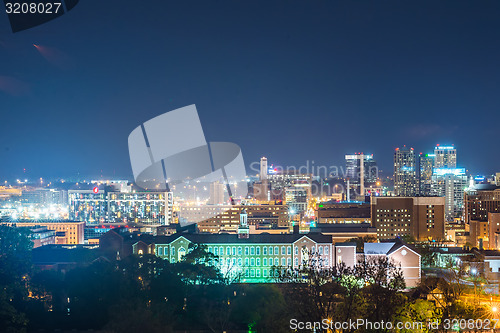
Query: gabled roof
x,y
397,246
378,248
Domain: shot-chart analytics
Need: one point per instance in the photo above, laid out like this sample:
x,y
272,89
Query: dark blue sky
x,y
291,80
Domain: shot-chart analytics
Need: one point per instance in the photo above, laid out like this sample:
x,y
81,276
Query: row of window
x,y
250,250
256,273
252,262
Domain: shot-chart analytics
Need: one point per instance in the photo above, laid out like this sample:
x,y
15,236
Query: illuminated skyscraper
x,y
405,176
216,194
450,183
360,174
426,165
263,169
445,157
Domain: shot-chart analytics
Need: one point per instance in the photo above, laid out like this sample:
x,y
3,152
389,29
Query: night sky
x,y
289,80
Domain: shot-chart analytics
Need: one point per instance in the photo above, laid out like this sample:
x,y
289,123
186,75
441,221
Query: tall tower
x,y
446,157
405,175
216,194
426,166
263,169
243,230
361,169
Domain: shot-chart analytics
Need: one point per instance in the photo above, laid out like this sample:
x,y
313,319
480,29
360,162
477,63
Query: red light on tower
x,y
95,189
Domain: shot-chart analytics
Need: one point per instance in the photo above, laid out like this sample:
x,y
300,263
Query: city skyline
x,y
376,77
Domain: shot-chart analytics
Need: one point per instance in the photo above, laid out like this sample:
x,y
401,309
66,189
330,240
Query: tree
x,y
15,267
313,292
198,266
261,308
384,282
360,242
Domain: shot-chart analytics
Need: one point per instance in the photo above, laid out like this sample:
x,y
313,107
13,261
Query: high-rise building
x,y
263,169
280,181
216,194
296,198
450,183
426,166
361,174
405,176
481,200
419,217
445,157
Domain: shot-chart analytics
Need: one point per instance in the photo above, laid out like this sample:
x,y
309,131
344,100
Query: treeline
x,y
148,294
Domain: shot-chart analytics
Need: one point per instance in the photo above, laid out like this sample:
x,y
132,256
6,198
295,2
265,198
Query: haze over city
x,y
288,80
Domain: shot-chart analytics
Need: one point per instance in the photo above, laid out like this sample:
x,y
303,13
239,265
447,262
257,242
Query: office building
x,y
41,236
405,176
278,183
226,218
98,206
481,200
422,218
362,172
450,183
426,167
297,198
343,212
44,197
66,232
445,157
216,194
